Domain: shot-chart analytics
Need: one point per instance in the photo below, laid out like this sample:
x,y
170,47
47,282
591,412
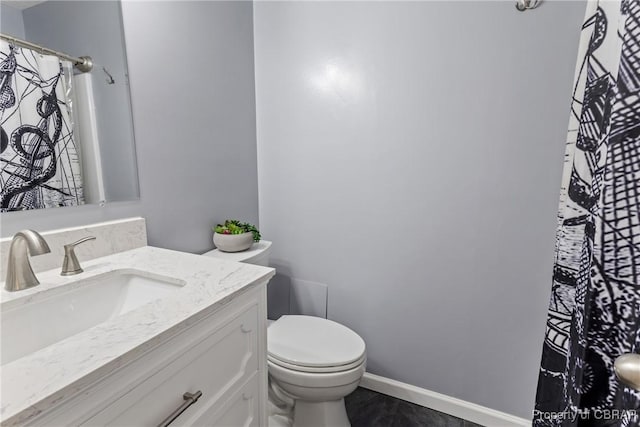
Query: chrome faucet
x,y
19,272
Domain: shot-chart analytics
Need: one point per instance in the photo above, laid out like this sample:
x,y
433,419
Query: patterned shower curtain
x,y
39,160
594,314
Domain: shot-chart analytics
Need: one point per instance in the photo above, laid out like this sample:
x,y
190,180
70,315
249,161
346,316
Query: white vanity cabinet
x,y
222,355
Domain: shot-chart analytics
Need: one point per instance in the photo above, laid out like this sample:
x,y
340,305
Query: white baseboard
x,y
440,402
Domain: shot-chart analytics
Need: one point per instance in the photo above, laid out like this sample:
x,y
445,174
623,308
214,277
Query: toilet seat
x,y
314,380
316,369
313,344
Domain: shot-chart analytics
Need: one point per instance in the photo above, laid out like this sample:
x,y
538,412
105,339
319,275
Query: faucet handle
x,y
71,265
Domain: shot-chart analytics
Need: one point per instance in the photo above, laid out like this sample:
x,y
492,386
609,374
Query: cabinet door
x,y
217,366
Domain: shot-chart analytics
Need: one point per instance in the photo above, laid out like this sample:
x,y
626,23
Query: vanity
x,y
144,337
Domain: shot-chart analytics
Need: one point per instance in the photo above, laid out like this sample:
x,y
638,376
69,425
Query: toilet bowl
x,y
316,362
313,362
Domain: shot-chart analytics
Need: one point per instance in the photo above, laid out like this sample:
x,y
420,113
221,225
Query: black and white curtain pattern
x,y
39,160
594,314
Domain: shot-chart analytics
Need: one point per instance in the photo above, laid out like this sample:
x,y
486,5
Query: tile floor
x,y
367,408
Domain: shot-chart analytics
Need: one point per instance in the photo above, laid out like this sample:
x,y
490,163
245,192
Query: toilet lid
x,y
314,342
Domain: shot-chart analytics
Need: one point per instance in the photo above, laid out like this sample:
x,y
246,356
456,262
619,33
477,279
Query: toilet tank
x,y
257,254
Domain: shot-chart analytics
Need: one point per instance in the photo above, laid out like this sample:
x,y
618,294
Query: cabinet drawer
x,y
218,365
240,410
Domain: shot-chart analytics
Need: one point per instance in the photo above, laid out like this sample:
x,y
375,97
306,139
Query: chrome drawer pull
x,y
189,399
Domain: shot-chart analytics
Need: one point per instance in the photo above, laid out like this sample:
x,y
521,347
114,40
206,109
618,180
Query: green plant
x,y
233,226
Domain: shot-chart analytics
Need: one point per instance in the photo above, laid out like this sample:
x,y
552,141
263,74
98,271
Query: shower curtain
x,y
39,160
594,313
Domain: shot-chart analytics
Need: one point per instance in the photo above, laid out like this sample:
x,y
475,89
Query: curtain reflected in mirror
x,y
67,135
40,163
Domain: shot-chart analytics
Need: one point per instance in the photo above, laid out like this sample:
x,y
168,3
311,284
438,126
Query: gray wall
x,y
11,21
94,28
194,114
409,157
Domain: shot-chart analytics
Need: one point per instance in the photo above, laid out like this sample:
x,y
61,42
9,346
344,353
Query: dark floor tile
x,y
411,415
358,399
378,411
367,408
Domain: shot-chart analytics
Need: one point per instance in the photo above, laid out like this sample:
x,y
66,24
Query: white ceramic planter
x,y
233,242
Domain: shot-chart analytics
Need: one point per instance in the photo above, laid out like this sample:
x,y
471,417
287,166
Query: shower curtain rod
x,y
523,5
83,63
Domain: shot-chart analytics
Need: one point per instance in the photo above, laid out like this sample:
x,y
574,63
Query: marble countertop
x,y
34,383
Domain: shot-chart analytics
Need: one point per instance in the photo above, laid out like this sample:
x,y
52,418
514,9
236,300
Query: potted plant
x,y
235,236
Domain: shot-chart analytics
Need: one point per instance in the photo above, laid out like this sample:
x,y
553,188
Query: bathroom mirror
x,y
100,100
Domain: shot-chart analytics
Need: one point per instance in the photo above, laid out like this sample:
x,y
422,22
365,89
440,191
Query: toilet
x,y
317,362
313,362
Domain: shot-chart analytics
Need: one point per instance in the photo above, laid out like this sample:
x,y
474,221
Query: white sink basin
x,y
36,321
